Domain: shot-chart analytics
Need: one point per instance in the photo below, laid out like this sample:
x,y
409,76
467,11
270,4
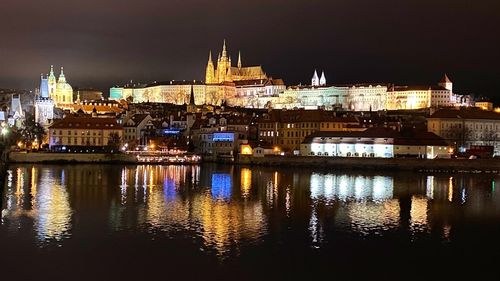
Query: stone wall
x,y
409,164
39,157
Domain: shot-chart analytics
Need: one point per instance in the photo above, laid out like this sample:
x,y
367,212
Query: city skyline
x,y
414,43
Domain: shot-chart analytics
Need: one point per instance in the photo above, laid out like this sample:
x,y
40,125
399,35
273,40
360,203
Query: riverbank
x,y
46,157
399,164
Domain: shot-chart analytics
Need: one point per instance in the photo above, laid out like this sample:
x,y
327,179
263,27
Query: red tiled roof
x,y
80,122
466,113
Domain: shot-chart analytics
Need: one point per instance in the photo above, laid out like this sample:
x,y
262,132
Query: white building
x,y
134,126
44,105
374,142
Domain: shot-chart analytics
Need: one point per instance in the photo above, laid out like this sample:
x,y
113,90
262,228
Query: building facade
x,y
74,132
225,72
464,127
374,143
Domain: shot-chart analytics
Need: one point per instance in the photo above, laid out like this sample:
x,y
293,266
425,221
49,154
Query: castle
x,y
225,72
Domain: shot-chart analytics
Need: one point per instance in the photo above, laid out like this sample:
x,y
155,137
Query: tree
x,y
114,142
32,131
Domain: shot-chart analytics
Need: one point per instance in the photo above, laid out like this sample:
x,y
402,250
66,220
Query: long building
x,y
465,127
73,133
374,142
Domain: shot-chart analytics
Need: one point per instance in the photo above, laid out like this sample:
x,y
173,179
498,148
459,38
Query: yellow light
x,y
450,150
276,149
246,150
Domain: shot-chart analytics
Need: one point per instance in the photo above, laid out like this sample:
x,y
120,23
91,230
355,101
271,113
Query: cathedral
x,y
52,93
60,91
224,71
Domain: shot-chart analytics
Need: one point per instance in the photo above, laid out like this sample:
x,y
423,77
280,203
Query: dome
x,y
64,91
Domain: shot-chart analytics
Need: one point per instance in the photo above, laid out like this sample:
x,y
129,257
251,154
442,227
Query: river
x,y
113,222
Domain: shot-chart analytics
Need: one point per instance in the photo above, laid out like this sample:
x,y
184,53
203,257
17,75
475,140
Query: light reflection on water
x,y
224,208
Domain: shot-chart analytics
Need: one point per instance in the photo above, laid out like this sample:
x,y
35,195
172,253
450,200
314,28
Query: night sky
x,y
106,42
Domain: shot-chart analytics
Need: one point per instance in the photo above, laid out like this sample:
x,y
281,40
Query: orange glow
x,y
246,150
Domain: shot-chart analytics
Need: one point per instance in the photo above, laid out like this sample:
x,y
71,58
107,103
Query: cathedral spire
x,y
239,59
224,50
322,80
191,96
51,70
315,79
210,71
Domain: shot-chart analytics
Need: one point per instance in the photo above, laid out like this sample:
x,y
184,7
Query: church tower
x,y
446,83
52,83
191,107
239,60
315,79
322,80
210,72
223,65
44,106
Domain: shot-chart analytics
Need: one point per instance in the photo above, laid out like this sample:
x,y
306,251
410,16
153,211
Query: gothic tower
x,y
52,83
210,72
315,79
322,80
223,65
44,106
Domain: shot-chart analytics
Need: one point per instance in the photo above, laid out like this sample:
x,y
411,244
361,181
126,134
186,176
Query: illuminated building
x,y
374,142
44,105
246,149
288,128
356,97
260,93
16,114
467,126
484,105
75,132
60,91
99,107
175,92
417,97
225,72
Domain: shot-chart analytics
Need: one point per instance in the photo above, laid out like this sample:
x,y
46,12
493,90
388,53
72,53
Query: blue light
x,y
221,186
171,132
223,137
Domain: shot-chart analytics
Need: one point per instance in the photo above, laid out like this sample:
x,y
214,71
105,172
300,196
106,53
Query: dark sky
x,y
105,42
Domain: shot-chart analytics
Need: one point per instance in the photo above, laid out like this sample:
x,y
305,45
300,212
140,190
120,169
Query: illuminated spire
x,y
62,78
239,59
210,71
322,80
51,70
224,50
315,79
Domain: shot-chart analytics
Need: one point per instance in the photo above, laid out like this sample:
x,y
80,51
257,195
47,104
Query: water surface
x,y
112,222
